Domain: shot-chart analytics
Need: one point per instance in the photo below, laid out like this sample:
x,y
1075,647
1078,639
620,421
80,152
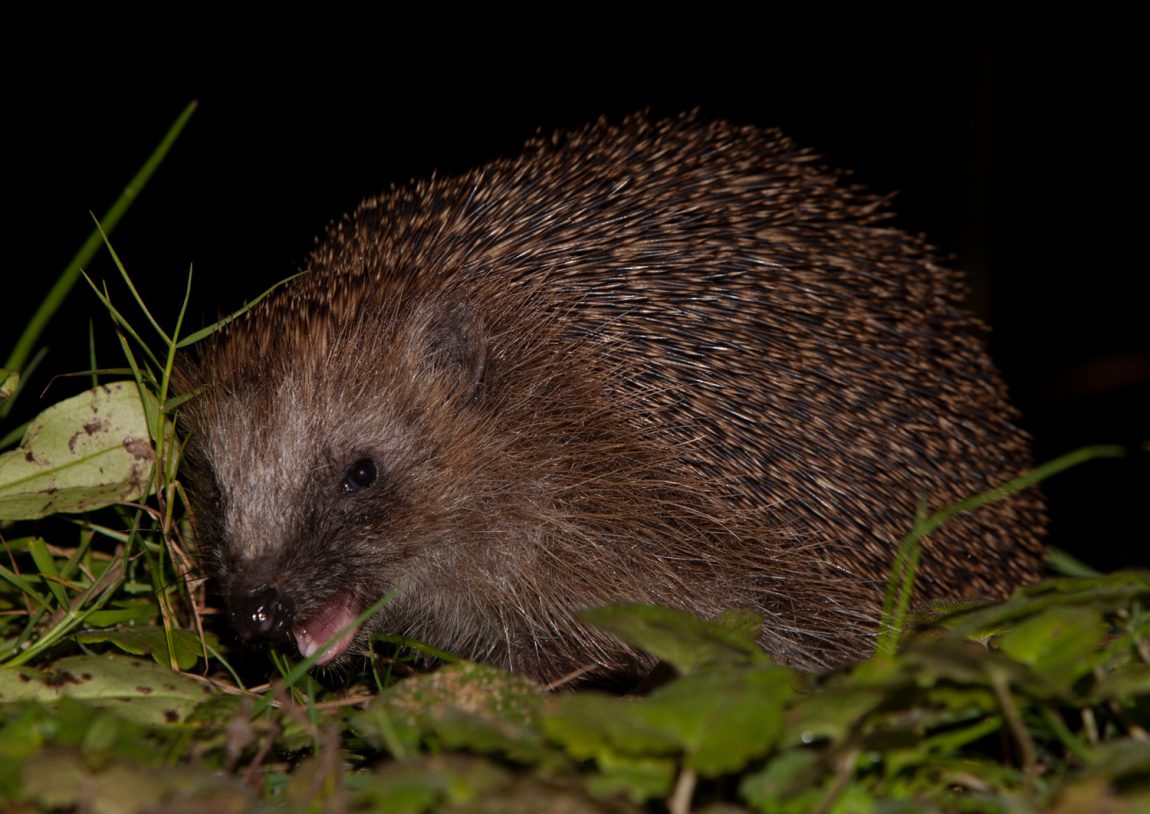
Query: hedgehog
x,y
673,362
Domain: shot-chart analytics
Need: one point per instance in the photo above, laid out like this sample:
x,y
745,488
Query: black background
x,y
1013,143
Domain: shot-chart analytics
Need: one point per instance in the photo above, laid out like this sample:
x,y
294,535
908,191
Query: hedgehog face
x,y
346,489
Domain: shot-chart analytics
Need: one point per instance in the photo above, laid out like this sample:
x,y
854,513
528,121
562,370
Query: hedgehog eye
x,y
362,474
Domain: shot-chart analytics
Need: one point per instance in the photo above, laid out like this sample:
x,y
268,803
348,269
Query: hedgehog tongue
x,y
318,632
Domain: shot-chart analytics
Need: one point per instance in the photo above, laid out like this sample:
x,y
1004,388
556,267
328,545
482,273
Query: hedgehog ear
x,y
456,347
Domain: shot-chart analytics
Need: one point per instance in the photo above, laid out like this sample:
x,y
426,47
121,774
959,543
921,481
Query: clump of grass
x,y
122,565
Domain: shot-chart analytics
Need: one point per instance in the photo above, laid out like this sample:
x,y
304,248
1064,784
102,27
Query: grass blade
x,y
71,273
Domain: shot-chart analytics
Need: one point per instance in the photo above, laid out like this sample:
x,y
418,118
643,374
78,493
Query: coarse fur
x,y
669,362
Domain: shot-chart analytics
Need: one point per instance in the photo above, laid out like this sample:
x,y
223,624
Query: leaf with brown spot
x,y
86,452
139,690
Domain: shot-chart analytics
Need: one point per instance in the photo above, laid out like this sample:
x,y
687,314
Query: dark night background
x,y
1013,145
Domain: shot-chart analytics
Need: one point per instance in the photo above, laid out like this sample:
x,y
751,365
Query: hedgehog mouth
x,y
329,632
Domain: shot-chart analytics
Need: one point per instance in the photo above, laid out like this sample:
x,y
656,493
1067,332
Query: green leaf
x,y
46,565
640,778
83,453
1131,682
460,783
135,689
681,638
21,736
138,612
832,712
150,641
1061,643
463,706
723,720
784,786
591,726
716,721
57,779
25,586
1111,592
1120,777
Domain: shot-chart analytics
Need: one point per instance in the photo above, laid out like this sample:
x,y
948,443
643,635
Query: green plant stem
x,y
1074,744
896,603
680,802
1027,753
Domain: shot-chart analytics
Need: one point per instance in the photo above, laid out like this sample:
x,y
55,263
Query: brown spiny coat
x,y
668,362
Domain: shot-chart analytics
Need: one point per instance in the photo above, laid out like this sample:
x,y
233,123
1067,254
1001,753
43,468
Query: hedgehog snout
x,y
261,613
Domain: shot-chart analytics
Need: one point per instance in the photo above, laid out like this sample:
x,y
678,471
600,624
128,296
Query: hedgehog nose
x,y
261,614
